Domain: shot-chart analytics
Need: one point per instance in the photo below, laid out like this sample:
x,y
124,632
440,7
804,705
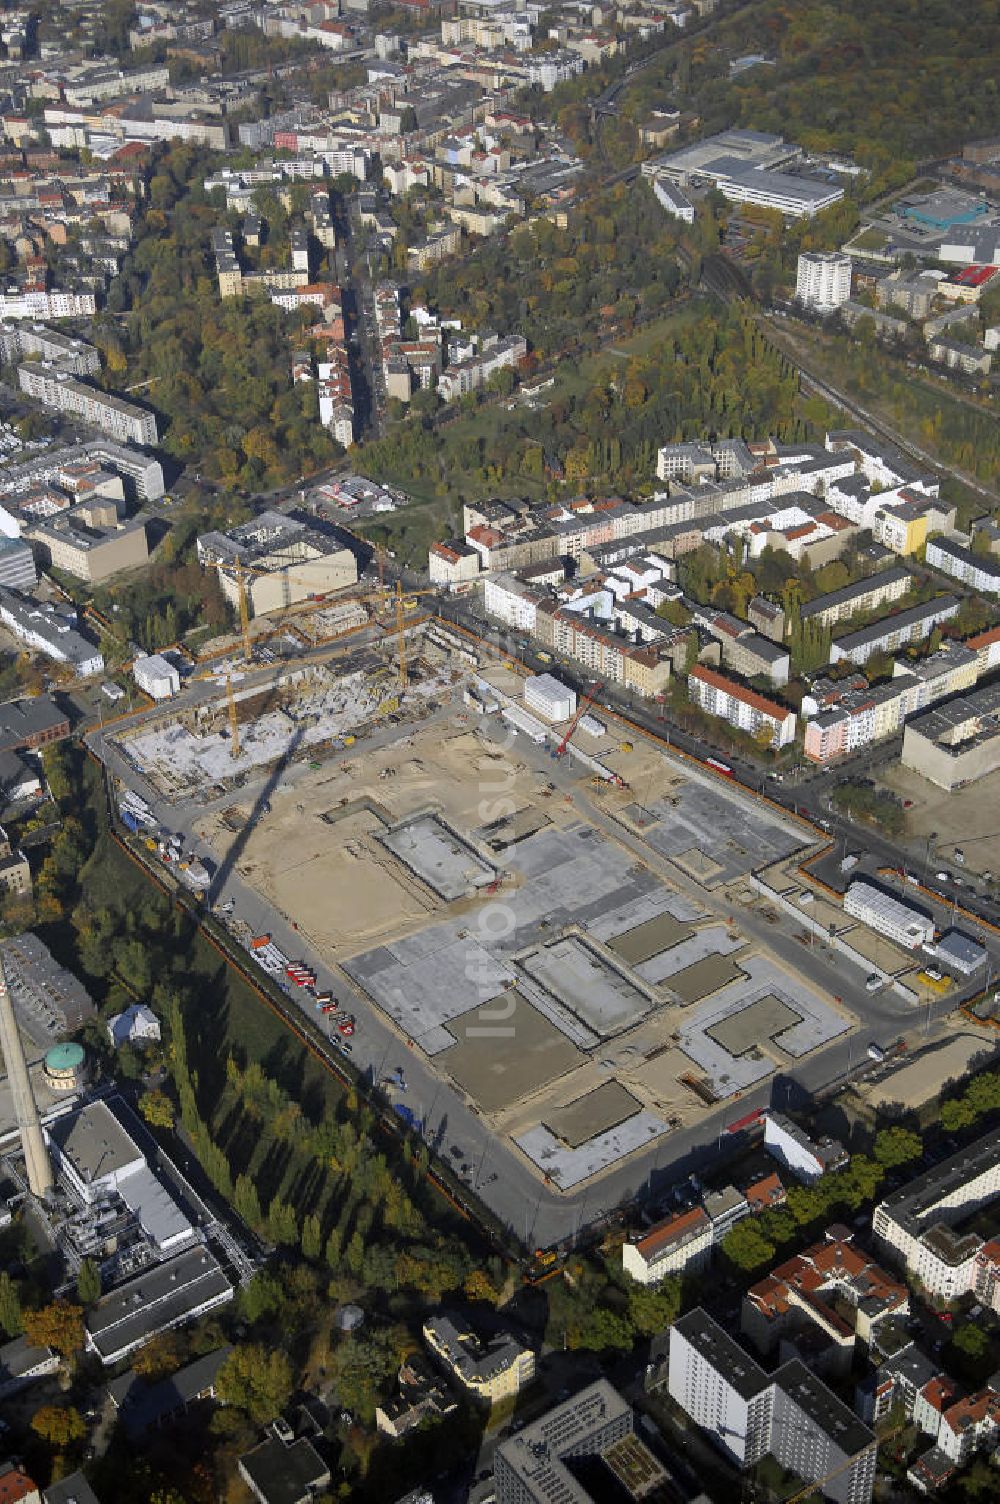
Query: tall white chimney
x,y
36,1156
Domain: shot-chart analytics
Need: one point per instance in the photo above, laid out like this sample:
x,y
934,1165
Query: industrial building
x,y
31,723
958,741
921,1224
161,1297
48,1000
746,167
901,922
156,676
791,1414
548,697
284,561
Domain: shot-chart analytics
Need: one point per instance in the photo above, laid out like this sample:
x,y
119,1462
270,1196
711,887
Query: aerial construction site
x,y
565,928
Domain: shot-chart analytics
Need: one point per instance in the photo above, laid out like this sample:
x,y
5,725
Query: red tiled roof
x,y
673,1230
739,692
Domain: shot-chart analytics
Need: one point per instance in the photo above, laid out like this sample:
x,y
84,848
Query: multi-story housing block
x,y
890,633
921,1224
823,279
981,572
748,1413
740,706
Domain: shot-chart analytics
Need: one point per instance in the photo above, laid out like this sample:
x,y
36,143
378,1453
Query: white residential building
x,y
681,1244
508,600
823,279
748,1413
917,1222
890,916
40,626
808,1159
979,571
741,707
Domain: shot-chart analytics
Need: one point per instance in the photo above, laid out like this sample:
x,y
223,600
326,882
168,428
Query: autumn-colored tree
x,y
256,1379
160,1356
59,1425
157,1109
478,1286
59,1326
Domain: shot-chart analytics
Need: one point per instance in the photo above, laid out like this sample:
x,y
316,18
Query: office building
x,y
920,1223
740,706
901,922
540,1464
958,741
823,279
89,541
748,1414
281,561
746,166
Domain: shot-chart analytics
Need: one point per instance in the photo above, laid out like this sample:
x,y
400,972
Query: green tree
x,y
88,1283
257,1380
653,1310
247,1202
897,1146
312,1237
746,1247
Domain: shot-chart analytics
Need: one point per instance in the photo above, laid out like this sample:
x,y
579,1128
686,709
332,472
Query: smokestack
x,y
36,1157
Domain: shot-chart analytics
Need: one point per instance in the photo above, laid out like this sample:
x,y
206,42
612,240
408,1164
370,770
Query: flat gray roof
x,y
922,1198
159,1297
94,1142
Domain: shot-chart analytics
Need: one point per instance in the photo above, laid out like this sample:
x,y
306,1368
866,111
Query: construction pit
x,y
572,972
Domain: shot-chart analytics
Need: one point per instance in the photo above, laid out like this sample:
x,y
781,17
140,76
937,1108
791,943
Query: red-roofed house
x,y
682,1243
15,1485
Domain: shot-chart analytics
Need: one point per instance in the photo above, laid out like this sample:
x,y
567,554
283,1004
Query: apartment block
x,y
831,1288
741,707
864,595
890,633
748,1413
823,279
981,572
50,385
53,633
920,1225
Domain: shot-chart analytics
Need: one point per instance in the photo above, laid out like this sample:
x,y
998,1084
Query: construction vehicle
x,y
581,711
627,747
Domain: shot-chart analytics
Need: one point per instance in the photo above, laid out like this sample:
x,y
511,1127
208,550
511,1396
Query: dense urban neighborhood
x,y
499,744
